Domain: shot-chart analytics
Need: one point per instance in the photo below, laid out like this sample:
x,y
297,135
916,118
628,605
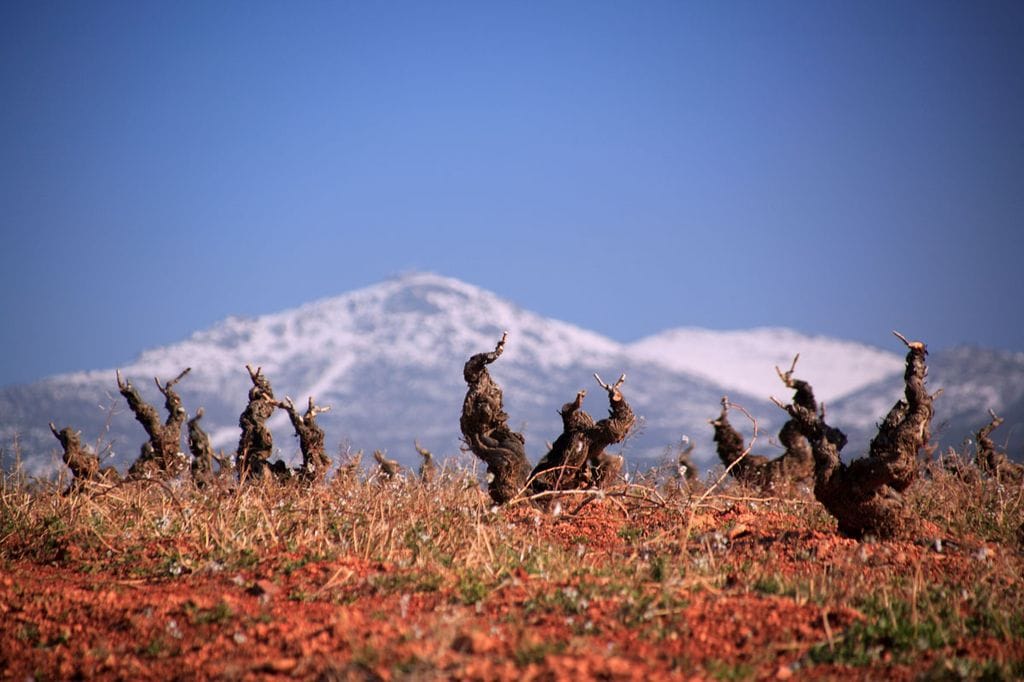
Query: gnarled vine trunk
x,y
202,451
389,469
865,496
485,429
577,458
605,468
428,468
161,455
256,444
564,465
686,472
796,463
315,461
203,455
84,465
993,462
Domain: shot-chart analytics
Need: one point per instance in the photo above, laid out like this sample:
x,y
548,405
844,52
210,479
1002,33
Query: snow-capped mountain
x,y
744,361
972,381
388,359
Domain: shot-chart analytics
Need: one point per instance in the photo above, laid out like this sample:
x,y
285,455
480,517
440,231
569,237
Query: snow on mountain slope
x,y
403,319
389,359
744,360
972,380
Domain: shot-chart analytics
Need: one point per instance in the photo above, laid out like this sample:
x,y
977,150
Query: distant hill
x,y
744,361
973,380
388,359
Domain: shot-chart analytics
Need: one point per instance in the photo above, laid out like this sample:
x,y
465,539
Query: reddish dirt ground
x,y
347,618
91,626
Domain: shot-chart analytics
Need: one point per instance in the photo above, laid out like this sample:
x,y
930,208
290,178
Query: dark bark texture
x,y
956,465
563,467
485,429
161,455
796,463
730,443
84,465
202,451
865,496
315,461
685,470
991,461
428,468
605,468
389,468
349,467
577,458
256,444
203,456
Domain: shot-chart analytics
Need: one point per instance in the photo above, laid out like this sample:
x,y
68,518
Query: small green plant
x,y
955,669
29,633
768,585
890,628
630,534
155,648
471,589
300,595
408,581
218,614
660,569
535,652
730,672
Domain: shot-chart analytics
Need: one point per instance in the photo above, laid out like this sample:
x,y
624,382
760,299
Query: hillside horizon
x,y
389,359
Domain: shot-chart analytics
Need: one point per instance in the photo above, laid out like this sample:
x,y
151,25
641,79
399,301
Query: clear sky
x,y
842,168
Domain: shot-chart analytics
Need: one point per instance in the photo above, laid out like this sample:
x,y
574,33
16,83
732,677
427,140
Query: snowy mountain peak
x,y
388,359
745,360
422,317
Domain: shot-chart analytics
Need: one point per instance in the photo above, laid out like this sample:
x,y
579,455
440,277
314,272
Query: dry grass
x,y
644,550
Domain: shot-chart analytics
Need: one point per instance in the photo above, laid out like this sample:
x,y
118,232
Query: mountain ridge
x,y
740,362
389,358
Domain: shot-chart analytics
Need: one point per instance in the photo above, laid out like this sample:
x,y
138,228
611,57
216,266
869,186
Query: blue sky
x,y
836,167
